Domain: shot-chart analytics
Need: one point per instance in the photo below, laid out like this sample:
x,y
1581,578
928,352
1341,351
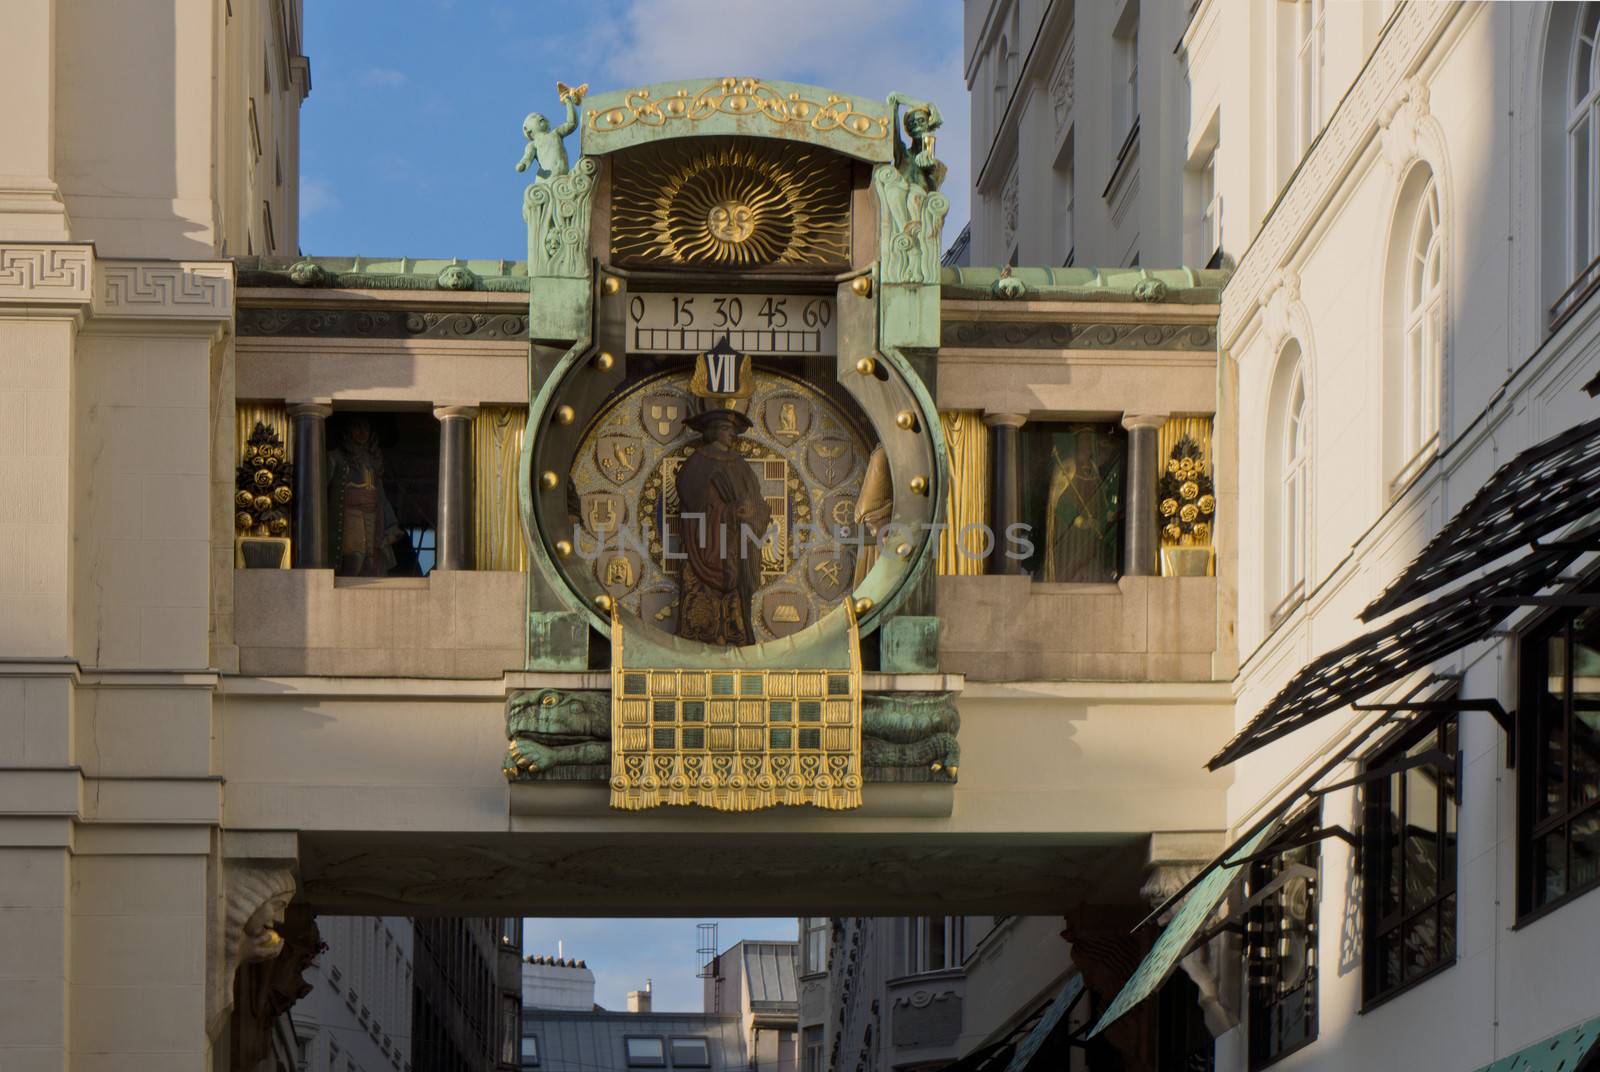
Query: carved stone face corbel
x,y
256,898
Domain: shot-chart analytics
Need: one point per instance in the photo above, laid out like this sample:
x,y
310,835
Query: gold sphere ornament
x,y
1189,514
1189,490
604,602
244,499
906,419
244,519
1172,532
604,361
919,485
904,550
866,366
262,503
278,526
1208,504
564,414
563,548
282,494
548,480
1169,507
862,285
610,285
863,605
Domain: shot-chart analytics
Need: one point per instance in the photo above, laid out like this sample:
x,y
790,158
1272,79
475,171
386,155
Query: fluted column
x,y
309,421
454,534
1005,467
1141,545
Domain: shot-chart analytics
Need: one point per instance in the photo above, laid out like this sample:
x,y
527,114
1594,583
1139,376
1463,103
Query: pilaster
x,y
309,421
31,208
1143,540
454,535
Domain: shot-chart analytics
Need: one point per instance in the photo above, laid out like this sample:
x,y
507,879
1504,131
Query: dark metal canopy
x,y
1540,491
1393,651
1033,1043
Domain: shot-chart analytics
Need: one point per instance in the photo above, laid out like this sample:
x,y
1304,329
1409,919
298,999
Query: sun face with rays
x,y
735,202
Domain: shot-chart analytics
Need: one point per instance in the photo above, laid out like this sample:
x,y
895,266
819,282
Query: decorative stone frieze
x,y
1013,335
380,324
45,273
165,290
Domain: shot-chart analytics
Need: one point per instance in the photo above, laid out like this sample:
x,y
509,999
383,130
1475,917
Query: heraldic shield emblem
x,y
618,457
662,415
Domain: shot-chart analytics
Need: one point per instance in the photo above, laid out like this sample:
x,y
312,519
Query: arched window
x,y
1296,492
1424,327
1583,123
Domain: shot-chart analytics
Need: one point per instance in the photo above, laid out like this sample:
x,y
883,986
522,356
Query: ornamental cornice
x,y
1077,335
1353,126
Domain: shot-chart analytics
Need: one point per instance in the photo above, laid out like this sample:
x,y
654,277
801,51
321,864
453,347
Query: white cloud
x,y
316,195
381,78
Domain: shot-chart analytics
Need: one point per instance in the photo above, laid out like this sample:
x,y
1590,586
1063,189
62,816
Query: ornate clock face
x,y
807,454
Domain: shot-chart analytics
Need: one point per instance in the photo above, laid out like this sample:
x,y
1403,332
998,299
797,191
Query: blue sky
x,y
623,953
409,143
411,134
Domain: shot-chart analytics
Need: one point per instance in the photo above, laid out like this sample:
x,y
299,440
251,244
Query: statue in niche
x,y
911,209
722,525
362,525
874,506
1083,511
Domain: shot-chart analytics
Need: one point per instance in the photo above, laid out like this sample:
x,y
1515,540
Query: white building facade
x,y
357,1017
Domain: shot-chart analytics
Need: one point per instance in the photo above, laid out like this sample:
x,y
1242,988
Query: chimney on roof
x,y
639,1000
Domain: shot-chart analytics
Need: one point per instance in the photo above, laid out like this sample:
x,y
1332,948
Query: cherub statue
x,y
545,146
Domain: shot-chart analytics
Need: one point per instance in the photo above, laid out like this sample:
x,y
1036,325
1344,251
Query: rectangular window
x,y
1072,501
1410,855
936,943
1282,946
690,1053
645,1052
530,1051
1310,46
816,944
1559,773
812,1041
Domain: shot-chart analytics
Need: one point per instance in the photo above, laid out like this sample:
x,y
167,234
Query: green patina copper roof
x,y
1187,286
383,273
1558,1053
1180,933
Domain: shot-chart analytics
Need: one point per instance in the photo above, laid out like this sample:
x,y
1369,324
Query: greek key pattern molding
x,y
175,290
45,273
1354,124
376,324
1009,335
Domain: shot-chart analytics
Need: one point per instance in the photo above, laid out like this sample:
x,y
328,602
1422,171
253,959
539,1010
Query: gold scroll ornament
x,y
739,97
735,739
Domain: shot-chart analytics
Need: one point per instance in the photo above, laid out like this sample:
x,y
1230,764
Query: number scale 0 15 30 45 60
x,y
773,324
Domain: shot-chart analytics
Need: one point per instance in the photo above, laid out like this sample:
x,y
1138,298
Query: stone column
x,y
310,423
453,546
31,208
1141,545
1005,467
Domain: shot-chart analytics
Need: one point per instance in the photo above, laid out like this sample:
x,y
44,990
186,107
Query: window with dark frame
x,y
691,1053
530,1051
646,1051
1409,855
1558,773
815,949
1281,929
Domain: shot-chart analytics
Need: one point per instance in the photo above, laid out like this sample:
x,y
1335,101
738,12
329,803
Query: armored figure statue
x,y
723,518
364,527
546,147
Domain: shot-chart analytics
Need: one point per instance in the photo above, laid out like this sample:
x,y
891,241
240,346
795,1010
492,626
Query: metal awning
x,y
1202,894
1015,1049
1542,490
1558,1053
1397,649
1213,885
